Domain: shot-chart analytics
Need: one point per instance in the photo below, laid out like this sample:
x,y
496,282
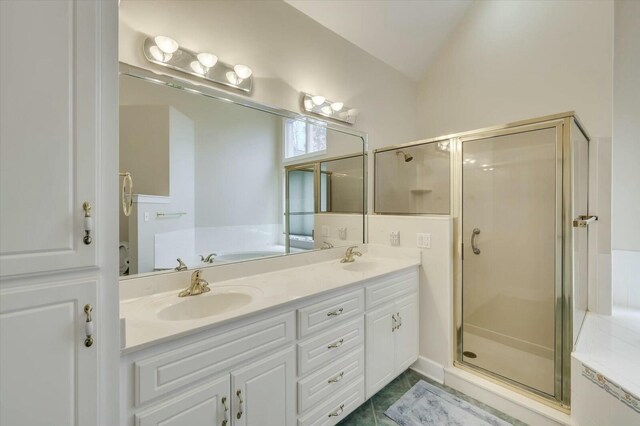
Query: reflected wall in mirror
x,y
210,180
413,179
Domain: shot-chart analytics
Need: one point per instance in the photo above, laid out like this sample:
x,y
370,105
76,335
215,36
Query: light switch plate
x,y
325,231
342,233
146,216
423,240
394,238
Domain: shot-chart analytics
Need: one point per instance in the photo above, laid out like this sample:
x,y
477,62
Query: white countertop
x,y
610,345
268,290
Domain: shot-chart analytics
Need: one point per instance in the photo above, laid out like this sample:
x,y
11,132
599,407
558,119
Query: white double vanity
x,y
301,340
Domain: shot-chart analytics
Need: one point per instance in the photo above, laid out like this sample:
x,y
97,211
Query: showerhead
x,y
407,157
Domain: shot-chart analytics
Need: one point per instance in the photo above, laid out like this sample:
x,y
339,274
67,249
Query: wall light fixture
x,y
165,51
317,104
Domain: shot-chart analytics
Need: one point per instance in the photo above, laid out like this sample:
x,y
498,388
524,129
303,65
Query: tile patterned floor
x,y
371,413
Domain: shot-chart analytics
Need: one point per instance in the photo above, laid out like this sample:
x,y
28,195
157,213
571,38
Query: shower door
x,y
511,234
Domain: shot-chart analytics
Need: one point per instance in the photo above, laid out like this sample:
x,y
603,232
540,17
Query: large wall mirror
x,y
218,180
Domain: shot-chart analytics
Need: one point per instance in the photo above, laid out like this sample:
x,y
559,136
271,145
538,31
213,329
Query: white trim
x,y
151,199
509,402
429,368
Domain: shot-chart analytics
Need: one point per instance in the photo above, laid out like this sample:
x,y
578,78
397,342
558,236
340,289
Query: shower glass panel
x,y
413,179
510,236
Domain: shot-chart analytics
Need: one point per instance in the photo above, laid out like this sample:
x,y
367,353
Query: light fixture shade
x,y
318,100
198,67
166,44
207,59
337,106
158,55
327,110
243,71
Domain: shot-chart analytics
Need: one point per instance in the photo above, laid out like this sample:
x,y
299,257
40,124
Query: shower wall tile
x,y
625,276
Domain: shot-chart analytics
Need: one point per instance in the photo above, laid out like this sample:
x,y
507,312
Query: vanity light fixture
x,y
165,51
317,104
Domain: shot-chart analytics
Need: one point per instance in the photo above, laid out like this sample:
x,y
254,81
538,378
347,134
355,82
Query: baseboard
x,y
506,400
429,368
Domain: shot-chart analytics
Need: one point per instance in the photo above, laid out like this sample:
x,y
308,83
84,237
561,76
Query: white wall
x,y
625,209
516,60
513,60
289,54
436,283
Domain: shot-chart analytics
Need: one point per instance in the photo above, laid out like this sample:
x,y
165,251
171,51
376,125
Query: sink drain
x,y
469,354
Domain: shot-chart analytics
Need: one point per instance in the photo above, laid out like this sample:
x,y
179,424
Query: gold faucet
x,y
198,285
348,256
181,265
209,258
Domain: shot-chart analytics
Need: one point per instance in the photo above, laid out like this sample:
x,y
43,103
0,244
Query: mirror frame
x,y
215,93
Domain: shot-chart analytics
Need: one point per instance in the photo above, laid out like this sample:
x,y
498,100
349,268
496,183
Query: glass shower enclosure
x,y
520,210
518,198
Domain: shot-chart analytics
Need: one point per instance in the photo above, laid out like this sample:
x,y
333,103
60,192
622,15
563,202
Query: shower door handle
x,y
476,250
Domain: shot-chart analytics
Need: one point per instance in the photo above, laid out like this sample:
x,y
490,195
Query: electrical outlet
x,y
394,238
325,231
146,216
342,233
423,240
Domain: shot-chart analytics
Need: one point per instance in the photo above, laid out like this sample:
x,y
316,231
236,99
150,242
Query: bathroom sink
x,y
359,266
204,305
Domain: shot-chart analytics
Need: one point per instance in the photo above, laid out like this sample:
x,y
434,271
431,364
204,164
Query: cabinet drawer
x,y
330,379
391,287
328,346
327,313
157,375
338,407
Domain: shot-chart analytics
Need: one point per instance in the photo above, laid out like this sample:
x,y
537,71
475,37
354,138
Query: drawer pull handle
x,y
399,320
225,422
88,326
394,322
337,412
335,313
337,378
336,344
240,405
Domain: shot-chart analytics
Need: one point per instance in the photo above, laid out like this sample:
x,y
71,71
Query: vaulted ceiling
x,y
406,34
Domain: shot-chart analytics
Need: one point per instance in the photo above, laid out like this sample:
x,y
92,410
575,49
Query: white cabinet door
x,y
206,405
263,393
47,374
379,345
49,111
58,148
406,334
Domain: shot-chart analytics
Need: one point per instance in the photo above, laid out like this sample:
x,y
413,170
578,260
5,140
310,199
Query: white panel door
x,y
207,405
379,348
49,108
406,334
263,393
47,374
